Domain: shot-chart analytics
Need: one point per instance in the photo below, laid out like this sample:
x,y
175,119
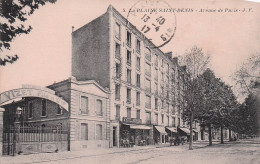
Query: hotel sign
x,y
132,120
32,92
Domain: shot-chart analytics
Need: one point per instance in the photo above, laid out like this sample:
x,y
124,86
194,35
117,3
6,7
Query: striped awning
x,y
161,129
174,130
186,130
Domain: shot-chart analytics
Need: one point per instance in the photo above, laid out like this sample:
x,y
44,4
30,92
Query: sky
x,y
45,53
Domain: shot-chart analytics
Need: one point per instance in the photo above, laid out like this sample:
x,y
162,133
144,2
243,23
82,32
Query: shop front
x,y
160,135
172,133
133,133
185,134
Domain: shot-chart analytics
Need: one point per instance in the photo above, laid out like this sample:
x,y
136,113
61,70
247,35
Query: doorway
x,y
114,137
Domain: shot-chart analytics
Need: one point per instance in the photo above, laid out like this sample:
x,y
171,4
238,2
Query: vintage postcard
x,y
140,81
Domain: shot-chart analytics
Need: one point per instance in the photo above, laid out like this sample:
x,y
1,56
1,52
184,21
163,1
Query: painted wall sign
x,y
131,120
31,92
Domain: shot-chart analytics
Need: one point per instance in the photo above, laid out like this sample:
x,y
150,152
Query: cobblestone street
x,y
242,152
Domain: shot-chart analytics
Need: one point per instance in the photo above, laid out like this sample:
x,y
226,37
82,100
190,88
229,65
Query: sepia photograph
x,y
130,81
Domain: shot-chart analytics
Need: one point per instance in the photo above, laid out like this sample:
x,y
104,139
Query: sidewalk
x,y
48,157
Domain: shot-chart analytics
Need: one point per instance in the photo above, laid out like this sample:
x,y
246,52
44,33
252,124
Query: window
x,y
118,70
148,69
162,90
128,95
167,68
128,57
167,95
156,103
162,76
30,111
44,107
168,107
84,131
179,121
117,112
137,98
148,117
168,122
128,112
147,85
148,102
59,110
117,92
138,80
84,105
156,88
117,51
138,114
128,38
156,119
138,63
173,121
99,110
162,104
128,72
162,63
99,135
173,109
148,54
156,75
156,60
162,118
117,31
138,46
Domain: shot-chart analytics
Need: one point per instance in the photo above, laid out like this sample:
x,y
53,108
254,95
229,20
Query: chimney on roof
x,y
175,59
169,54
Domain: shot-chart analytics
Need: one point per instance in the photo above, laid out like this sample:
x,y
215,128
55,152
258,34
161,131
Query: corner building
x,y
146,84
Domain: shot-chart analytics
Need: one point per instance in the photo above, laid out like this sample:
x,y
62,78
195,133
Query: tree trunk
x,y
221,134
210,136
229,134
191,136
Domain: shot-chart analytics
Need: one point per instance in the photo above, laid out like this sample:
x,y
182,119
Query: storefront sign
x,y
132,120
31,92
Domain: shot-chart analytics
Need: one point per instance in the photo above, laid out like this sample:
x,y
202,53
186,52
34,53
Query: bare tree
x,y
247,77
196,62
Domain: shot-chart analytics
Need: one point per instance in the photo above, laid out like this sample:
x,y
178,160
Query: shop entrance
x,y
114,136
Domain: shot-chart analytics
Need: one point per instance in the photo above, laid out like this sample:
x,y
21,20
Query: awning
x,y
144,127
161,129
174,130
187,131
195,130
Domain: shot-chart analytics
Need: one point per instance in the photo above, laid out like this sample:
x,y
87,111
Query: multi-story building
x,y
146,84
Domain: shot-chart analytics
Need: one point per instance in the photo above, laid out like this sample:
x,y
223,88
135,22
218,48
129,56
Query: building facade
x,y
146,85
37,123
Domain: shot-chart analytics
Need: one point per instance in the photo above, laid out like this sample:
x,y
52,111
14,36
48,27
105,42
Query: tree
x,y
247,77
196,62
247,116
14,14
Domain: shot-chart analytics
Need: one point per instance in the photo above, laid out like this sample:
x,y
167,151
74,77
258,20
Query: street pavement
x,y
238,152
